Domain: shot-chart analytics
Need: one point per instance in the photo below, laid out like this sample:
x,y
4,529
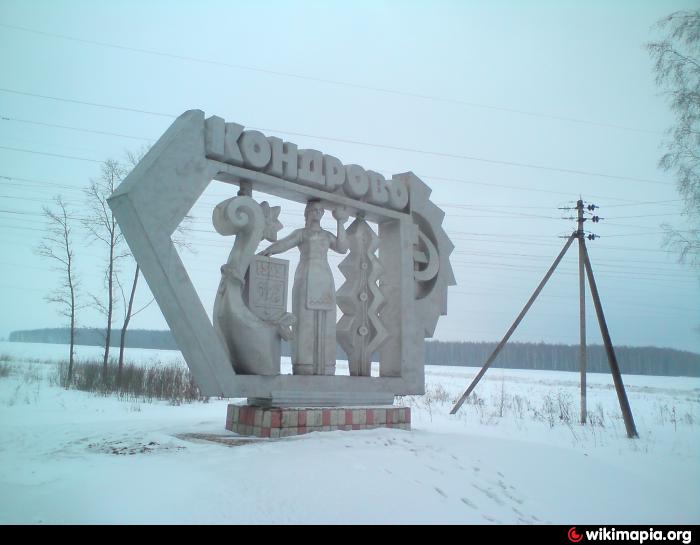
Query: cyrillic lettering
x,y
356,181
214,138
255,149
232,153
333,172
398,193
284,159
310,167
378,192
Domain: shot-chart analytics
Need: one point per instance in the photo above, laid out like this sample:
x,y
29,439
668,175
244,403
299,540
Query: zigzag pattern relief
x,y
359,331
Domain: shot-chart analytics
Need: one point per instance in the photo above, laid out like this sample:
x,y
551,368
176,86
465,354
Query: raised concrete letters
x,y
255,149
311,168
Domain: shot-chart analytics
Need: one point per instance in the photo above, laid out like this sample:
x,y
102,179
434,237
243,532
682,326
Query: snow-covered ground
x,y
514,453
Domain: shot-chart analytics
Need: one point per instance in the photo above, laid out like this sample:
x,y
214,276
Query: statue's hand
x,y
341,214
264,253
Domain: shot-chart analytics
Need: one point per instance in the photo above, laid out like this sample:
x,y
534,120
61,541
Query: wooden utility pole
x,y
517,321
582,308
609,350
584,263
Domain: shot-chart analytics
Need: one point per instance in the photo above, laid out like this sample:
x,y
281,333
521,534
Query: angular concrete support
x,y
149,205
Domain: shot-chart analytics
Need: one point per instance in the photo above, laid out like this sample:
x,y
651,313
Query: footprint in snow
x,y
517,500
471,504
440,492
508,494
489,494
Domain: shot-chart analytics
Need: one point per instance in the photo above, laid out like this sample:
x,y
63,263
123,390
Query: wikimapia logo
x,y
638,536
573,535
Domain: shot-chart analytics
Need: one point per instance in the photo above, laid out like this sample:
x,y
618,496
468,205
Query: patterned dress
x,y
313,304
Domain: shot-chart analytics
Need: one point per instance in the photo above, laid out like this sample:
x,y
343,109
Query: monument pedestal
x,y
308,399
258,421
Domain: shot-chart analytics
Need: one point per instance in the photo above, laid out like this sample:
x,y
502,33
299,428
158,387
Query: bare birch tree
x,y
677,66
102,227
58,246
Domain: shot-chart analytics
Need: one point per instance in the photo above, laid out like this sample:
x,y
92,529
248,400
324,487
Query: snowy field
x,y
514,454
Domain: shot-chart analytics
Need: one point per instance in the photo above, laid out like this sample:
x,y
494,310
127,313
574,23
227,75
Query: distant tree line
x,y
633,360
93,336
647,360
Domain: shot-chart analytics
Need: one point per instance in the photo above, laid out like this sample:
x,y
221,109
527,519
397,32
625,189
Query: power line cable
x,y
49,183
190,229
493,238
472,158
68,127
86,103
51,154
382,146
677,214
424,176
643,203
327,81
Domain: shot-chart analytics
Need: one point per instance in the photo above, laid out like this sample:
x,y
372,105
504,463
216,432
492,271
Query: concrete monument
x,y
396,272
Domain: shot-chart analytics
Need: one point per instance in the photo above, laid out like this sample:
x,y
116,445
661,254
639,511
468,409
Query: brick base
x,y
264,422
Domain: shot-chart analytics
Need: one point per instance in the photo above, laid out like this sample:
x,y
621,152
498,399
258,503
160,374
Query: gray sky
x,y
562,85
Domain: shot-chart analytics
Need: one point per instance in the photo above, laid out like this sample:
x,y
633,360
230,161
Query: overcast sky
x,y
544,101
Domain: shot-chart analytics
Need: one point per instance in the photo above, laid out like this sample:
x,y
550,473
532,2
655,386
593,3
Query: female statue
x,y
313,294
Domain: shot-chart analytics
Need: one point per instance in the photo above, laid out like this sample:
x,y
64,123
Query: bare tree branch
x,y
144,307
57,246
